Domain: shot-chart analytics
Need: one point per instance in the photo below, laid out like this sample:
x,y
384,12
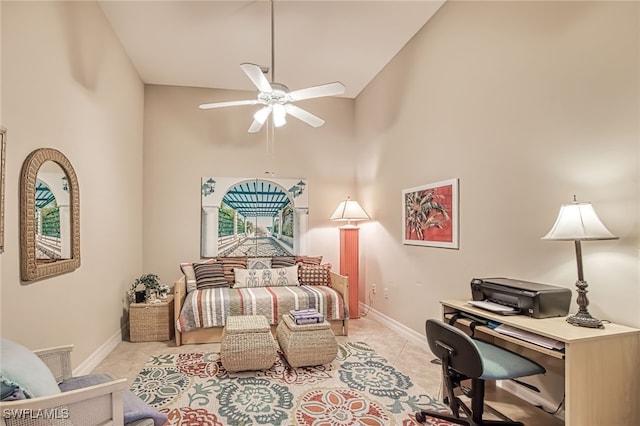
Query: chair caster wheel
x,y
421,417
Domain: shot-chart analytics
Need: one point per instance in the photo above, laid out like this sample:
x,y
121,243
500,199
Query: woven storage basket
x,y
308,344
247,344
149,322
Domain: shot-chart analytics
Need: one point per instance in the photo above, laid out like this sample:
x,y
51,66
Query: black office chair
x,y
465,358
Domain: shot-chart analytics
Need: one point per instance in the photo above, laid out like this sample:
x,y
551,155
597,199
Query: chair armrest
x,y
93,405
58,359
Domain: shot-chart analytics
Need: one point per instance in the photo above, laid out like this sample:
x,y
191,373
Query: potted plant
x,y
144,288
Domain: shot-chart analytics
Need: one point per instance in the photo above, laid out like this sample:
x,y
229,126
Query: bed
x,y
200,314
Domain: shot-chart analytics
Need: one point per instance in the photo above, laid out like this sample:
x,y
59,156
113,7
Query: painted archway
x,y
253,217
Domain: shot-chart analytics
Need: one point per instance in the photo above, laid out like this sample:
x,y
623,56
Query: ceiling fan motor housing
x,y
279,95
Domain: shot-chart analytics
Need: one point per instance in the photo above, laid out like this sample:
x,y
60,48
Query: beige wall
x,y
527,104
67,84
183,143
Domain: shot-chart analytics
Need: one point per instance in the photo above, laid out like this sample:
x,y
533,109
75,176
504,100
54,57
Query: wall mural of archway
x,y
253,217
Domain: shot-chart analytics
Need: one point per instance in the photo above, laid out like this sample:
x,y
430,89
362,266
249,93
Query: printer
x,y
526,298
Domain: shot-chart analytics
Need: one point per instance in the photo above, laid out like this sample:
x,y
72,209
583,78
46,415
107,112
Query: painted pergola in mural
x,y
253,217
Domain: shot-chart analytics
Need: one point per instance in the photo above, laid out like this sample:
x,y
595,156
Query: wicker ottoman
x,y
306,345
247,344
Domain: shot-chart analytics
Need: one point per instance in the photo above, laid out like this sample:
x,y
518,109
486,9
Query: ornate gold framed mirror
x,y
49,216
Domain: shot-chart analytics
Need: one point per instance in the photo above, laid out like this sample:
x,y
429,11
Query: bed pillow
x,y
309,260
282,261
230,264
259,263
22,370
272,277
209,275
315,274
190,275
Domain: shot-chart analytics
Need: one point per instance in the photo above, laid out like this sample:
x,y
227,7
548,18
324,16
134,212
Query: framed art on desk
x,y
430,215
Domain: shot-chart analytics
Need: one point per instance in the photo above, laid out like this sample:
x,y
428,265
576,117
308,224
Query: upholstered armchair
x,y
38,389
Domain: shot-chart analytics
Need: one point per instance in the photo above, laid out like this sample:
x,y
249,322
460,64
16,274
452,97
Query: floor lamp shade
x,y
350,211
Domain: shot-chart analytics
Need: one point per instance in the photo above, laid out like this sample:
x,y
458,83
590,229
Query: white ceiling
x,y
203,43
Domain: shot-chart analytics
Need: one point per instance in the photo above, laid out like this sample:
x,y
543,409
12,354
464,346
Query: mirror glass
x,y
49,215
52,214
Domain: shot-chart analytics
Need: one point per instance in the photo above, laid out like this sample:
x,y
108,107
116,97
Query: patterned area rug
x,y
358,388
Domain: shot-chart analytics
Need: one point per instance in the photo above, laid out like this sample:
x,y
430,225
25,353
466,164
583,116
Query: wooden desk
x,y
601,366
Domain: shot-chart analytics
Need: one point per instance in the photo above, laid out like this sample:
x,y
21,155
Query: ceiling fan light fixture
x,y
279,115
262,114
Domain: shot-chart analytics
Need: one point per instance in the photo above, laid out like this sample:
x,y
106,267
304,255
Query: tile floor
x,y
127,359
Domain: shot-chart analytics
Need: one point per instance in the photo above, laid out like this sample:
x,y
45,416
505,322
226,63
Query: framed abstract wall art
x,y
430,215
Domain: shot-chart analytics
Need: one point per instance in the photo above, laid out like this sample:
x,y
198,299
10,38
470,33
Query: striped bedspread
x,y
211,306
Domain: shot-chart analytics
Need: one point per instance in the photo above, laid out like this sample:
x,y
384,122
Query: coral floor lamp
x,y
350,211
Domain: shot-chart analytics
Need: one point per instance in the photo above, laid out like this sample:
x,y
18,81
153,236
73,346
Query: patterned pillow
x,y
231,263
282,261
315,274
259,263
190,275
309,260
209,275
275,277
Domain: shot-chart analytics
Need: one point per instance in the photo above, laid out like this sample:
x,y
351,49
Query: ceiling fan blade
x,y
228,104
329,89
255,74
255,126
303,115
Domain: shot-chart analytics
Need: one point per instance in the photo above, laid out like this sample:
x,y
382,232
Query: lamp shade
x,y
349,210
578,222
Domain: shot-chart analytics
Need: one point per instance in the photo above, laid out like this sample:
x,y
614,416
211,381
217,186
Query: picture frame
x,y
430,215
3,150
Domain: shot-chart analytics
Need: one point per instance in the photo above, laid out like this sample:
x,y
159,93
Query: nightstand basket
x,y
149,322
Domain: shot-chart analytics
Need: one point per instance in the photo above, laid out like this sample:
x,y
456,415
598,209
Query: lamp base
x,y
584,319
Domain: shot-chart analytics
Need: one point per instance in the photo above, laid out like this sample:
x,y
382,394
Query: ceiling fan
x,y
276,98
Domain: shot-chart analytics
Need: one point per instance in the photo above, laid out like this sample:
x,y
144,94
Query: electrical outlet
x,y
373,288
386,293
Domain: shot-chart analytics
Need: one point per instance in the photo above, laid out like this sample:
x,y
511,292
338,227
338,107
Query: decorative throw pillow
x,y
273,277
315,274
259,263
209,275
21,369
309,260
282,261
190,275
229,264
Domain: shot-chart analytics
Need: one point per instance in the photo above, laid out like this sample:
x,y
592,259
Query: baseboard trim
x,y
403,330
89,364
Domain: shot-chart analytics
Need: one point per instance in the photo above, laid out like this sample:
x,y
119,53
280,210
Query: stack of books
x,y
306,316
